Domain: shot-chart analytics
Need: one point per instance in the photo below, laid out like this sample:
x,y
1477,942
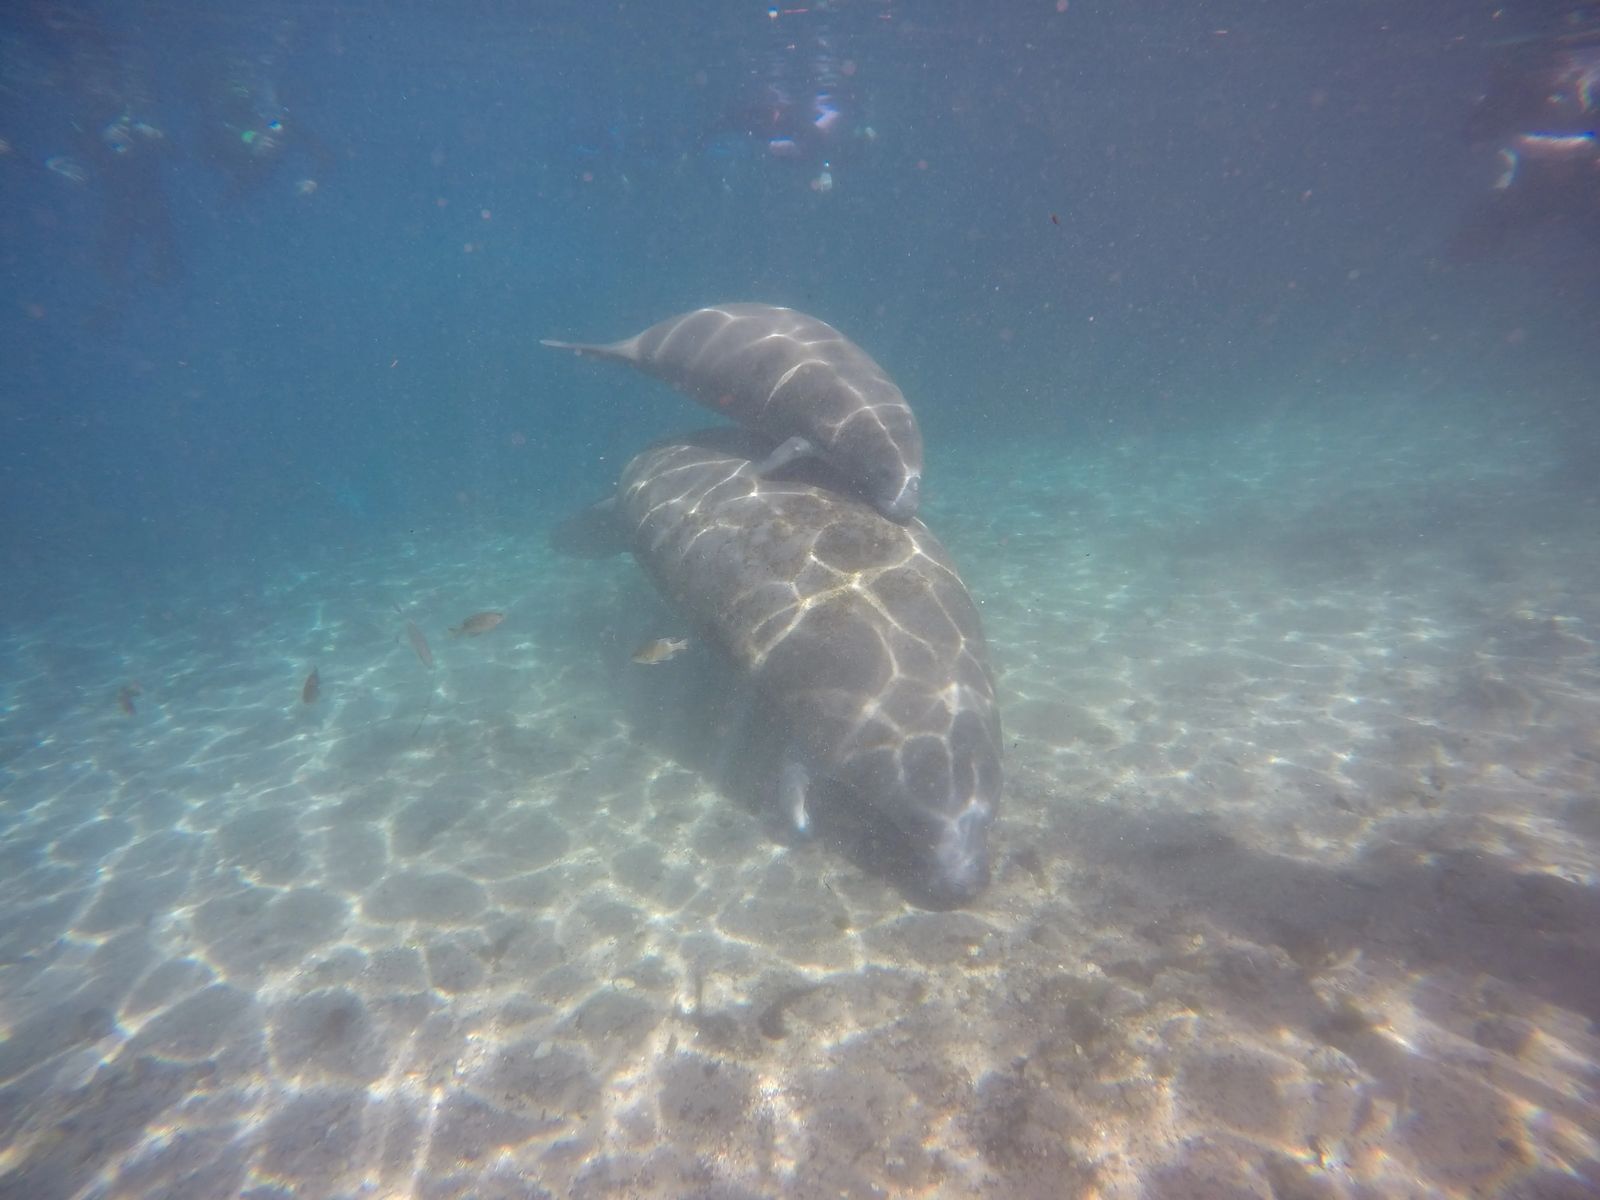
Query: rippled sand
x,y
1296,888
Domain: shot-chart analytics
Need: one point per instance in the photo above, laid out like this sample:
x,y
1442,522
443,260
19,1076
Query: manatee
x,y
795,378
858,638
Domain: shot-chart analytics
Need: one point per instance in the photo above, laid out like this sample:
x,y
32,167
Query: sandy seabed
x,y
1297,884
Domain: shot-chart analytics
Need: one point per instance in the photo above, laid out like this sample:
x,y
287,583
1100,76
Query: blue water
x,y
1177,294
1249,200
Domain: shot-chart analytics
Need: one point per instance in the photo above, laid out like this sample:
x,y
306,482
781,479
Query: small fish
x,y
419,644
478,623
658,651
125,697
312,689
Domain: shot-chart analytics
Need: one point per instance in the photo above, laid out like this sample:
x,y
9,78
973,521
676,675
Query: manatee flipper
x,y
793,783
625,351
784,454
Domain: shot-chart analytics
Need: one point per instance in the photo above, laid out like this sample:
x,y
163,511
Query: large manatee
x,y
794,378
861,643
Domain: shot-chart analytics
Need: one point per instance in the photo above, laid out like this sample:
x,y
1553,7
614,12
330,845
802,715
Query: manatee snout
x,y
958,866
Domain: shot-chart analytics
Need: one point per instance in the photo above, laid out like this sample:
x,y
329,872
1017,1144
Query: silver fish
x,y
477,623
419,644
658,651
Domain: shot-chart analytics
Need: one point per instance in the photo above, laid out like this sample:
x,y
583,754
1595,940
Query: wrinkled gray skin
x,y
859,638
795,378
